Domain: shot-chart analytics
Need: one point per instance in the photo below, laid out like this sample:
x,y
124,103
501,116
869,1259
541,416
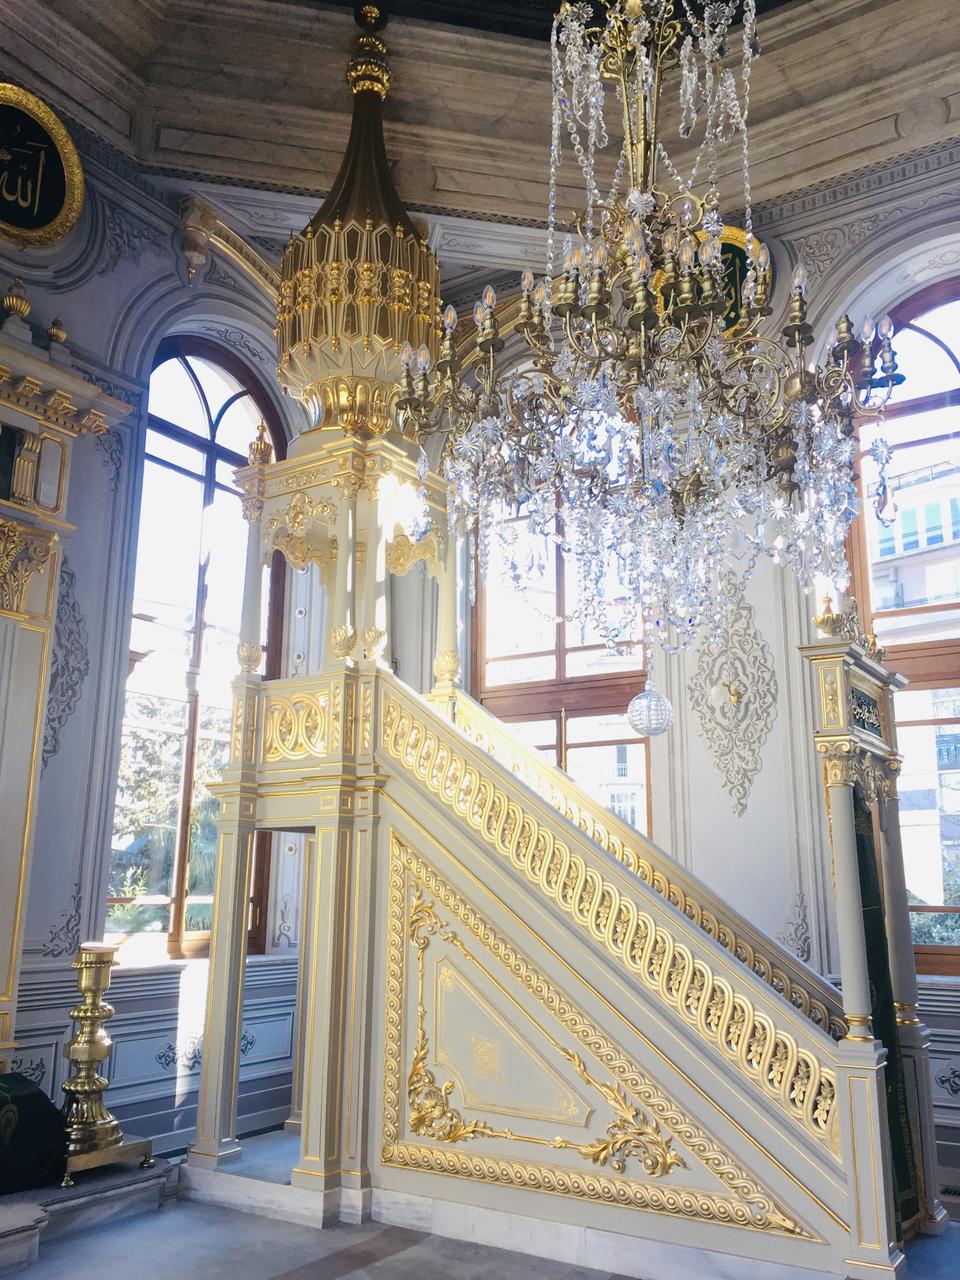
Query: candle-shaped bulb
x,y
577,259
686,255
599,256
669,240
406,355
489,297
643,265
526,281
478,314
450,319
423,359
762,258
885,328
799,278
867,330
707,253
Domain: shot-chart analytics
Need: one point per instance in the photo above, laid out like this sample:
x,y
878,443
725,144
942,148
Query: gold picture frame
x,y
65,218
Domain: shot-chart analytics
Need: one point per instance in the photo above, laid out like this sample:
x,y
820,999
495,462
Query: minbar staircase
x,y
521,1021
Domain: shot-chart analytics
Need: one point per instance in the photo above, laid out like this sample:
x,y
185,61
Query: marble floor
x,y
187,1239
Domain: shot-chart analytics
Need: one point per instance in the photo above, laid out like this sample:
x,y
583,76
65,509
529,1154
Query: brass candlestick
x,y
94,1136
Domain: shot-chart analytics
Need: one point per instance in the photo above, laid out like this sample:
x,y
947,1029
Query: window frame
x,y
930,664
180,943
563,697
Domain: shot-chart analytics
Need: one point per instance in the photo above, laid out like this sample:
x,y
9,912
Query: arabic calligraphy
x,y
41,182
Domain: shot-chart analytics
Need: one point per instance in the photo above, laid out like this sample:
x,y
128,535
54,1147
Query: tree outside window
x,y
555,681
204,409
907,579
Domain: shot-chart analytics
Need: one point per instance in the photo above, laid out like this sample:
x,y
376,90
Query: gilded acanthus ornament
x,y
446,666
20,557
374,641
403,553
845,623
249,656
343,640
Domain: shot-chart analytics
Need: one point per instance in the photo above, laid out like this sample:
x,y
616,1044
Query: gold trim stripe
x,y
481,728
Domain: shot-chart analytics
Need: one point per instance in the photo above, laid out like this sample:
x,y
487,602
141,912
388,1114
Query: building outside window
x,y
563,691
204,409
907,579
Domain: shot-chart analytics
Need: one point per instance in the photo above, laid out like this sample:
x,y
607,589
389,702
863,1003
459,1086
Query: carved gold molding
x,y
603,828
631,1135
403,553
764,1053
343,640
249,656
746,1204
21,556
846,765
296,727
446,666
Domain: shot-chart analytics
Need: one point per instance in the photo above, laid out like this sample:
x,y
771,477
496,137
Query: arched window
x,y
204,409
555,681
907,579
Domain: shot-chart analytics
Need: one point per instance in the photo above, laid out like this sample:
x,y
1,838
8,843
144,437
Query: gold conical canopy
x,y
359,280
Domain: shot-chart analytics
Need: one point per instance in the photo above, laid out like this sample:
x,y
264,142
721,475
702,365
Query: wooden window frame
x,y
180,944
929,664
564,697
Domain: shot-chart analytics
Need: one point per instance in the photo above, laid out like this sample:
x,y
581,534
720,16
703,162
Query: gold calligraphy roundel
x,y
41,181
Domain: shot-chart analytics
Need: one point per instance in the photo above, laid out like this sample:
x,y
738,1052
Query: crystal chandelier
x,y
622,405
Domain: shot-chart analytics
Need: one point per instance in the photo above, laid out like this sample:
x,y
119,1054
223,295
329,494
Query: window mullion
x,y
182,866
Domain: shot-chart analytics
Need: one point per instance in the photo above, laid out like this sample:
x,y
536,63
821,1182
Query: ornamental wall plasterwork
x,y
70,664
734,693
648,1153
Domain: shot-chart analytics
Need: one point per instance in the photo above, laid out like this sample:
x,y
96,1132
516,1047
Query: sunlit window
x,y
908,574
191,550
555,681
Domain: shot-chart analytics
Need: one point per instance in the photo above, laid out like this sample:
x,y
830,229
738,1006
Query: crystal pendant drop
x,y
650,713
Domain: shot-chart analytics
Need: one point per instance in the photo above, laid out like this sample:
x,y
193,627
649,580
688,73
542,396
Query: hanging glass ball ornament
x,y
650,713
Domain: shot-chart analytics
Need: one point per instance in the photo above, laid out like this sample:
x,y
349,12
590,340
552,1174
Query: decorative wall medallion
x,y
110,447
41,180
64,938
796,934
950,1080
734,693
69,666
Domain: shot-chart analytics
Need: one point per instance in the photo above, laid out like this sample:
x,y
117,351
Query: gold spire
x,y
359,281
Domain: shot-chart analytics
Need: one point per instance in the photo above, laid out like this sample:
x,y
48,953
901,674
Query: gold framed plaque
x,y
41,180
